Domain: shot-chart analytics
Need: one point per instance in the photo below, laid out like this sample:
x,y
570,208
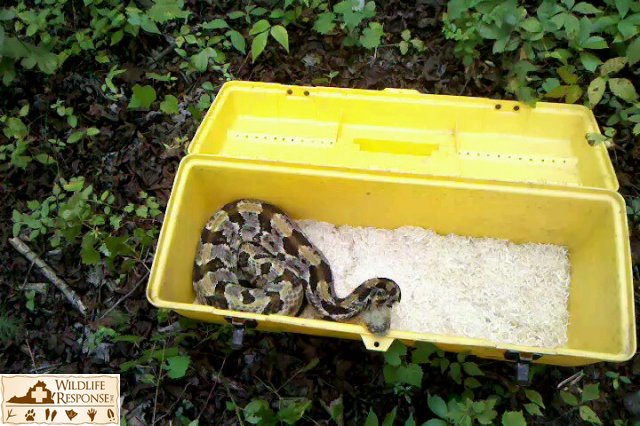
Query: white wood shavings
x,y
454,285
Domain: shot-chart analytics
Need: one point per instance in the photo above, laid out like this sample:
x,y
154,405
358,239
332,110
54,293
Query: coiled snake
x,y
251,257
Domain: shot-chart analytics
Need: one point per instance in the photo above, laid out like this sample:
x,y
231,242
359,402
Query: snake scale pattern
x,y
252,257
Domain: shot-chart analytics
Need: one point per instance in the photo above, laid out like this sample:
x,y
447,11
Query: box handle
x,y
374,343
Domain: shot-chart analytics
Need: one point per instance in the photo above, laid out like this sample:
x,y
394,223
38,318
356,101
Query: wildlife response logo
x,y
60,399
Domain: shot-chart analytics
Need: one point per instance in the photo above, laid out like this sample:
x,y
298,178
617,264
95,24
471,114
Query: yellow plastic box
x,y
393,158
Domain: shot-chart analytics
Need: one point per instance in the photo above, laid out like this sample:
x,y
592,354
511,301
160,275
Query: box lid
x,y
404,131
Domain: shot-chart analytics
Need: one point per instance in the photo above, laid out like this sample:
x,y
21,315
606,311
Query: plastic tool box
x,y
469,166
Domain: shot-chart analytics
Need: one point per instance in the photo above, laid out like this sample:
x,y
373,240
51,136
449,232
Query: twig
x,y
140,281
571,380
178,399
49,274
234,403
215,384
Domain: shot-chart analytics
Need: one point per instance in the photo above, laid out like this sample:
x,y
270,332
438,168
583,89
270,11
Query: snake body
x,y
252,257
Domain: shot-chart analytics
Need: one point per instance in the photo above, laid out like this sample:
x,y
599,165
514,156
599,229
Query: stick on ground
x,y
49,274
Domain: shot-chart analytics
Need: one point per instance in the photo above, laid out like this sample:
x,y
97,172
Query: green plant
x,y
408,43
73,214
562,49
350,16
289,411
590,392
633,209
616,379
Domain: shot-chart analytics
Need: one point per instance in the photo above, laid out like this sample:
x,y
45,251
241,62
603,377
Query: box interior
x,y
588,222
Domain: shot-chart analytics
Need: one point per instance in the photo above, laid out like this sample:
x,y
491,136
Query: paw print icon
x,y
30,415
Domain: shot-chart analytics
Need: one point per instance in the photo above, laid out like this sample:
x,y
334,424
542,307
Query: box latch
x,y
523,362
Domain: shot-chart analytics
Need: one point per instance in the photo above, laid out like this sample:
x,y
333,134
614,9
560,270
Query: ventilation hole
x,y
520,158
306,93
376,344
289,92
498,106
498,155
553,161
542,160
291,139
564,161
530,159
516,108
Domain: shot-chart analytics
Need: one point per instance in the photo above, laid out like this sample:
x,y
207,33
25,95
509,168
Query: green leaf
x,y
533,409
201,59
574,93
45,159
567,75
569,398
280,34
595,42
596,90
588,415
395,351
472,383
589,61
75,137
410,374
471,368
177,366
410,421
237,41
586,9
597,138
534,397
435,422
455,372
370,38
93,131
167,10
216,24
531,25
404,47
623,89
142,97
423,352
258,44
15,128
591,392
623,7
169,105
88,253
372,419
390,418
258,412
513,418
633,51
7,14
571,26
325,23
260,27
438,406
293,411
612,66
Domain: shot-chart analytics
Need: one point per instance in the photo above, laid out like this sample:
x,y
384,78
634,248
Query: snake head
x,y
384,294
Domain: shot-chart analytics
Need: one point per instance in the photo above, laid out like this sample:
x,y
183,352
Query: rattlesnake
x,y
252,257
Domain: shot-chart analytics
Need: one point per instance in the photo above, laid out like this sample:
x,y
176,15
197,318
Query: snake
x,y
252,257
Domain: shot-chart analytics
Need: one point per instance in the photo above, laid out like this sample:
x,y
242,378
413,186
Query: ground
x,y
140,151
